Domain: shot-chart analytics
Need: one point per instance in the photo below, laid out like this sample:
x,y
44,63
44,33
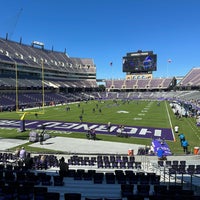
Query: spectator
x,y
109,127
176,129
16,153
151,150
41,138
93,134
28,161
43,162
160,154
181,137
67,108
88,133
64,167
81,118
185,146
22,153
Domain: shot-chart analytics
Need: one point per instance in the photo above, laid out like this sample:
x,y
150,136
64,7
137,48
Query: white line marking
x,y
170,122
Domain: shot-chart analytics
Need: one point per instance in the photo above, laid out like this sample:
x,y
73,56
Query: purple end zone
x,y
131,131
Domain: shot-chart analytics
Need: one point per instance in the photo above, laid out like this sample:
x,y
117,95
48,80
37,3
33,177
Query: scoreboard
x,y
140,62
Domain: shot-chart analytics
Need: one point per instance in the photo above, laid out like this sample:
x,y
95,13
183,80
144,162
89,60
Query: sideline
x,y
170,121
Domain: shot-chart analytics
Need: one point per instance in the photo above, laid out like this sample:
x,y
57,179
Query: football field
x,y
141,119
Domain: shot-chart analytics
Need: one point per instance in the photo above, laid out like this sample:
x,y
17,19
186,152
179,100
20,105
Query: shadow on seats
x,y
72,196
39,192
110,177
143,190
58,180
52,196
126,190
98,178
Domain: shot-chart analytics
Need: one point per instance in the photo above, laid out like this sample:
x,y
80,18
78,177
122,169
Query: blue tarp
x,y
158,143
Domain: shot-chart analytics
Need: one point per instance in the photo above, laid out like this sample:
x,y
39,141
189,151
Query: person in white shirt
x,y
176,129
22,153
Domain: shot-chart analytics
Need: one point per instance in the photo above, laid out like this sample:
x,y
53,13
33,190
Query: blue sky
x,y
106,30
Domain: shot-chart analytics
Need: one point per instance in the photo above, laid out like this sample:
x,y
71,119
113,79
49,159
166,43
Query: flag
x,y
169,61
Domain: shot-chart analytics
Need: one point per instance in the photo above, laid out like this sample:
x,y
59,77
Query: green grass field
x,y
134,113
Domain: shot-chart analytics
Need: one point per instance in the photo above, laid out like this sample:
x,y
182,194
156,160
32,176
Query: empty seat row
x,y
120,164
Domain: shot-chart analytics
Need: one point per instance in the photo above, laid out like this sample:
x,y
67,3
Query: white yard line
x,y
170,121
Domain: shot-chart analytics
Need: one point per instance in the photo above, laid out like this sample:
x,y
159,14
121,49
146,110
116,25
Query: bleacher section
x,y
148,179
155,84
191,80
59,69
30,100
27,100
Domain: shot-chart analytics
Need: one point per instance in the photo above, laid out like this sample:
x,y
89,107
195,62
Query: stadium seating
x,y
191,79
141,84
143,184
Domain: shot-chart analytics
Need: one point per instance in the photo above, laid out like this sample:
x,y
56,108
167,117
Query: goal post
x,y
37,110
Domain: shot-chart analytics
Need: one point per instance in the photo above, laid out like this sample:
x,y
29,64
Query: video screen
x,y
140,63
